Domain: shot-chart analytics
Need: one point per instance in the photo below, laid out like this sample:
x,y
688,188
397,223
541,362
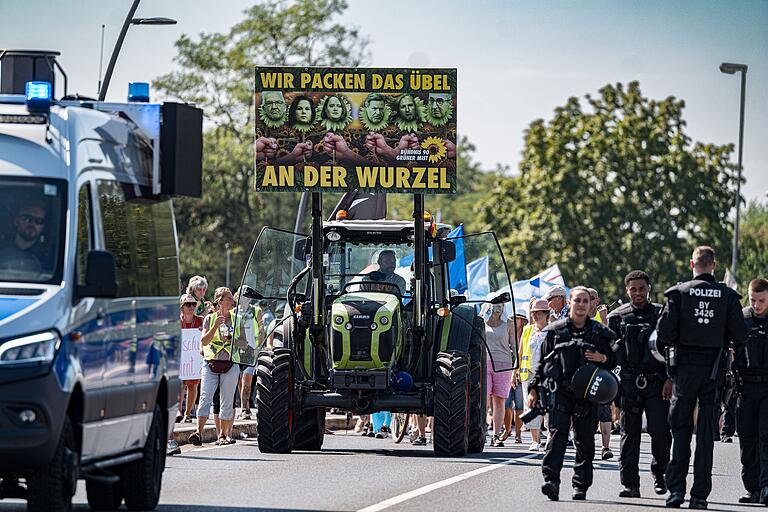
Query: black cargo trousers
x,y
633,402
692,384
752,424
564,411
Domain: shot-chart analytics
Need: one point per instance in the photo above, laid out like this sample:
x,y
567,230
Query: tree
x,y
216,72
753,245
611,188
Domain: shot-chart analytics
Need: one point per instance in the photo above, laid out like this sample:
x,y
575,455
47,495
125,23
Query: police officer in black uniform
x,y
570,344
751,370
696,324
644,386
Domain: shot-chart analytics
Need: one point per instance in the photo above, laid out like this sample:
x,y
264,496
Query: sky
x,y
537,53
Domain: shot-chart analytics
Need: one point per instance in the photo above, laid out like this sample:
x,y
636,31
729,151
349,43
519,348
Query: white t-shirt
x,y
535,342
499,350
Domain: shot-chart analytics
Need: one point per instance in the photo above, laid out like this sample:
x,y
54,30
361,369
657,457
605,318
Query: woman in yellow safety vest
x,y
221,331
530,355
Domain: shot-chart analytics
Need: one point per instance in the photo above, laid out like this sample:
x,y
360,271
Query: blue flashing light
x,y
138,92
38,96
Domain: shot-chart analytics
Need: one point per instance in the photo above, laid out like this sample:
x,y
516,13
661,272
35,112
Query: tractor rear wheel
x,y
274,390
451,404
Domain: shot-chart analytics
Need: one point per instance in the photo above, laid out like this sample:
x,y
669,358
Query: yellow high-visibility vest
x,y
525,363
217,344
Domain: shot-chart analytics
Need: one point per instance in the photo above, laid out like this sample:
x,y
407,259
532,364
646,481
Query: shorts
x,y
498,383
247,370
515,398
604,413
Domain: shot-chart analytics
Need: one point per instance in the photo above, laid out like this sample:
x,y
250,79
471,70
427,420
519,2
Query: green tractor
x,y
372,324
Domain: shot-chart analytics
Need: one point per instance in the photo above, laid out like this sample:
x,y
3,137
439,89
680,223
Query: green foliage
x,y
753,245
216,72
613,187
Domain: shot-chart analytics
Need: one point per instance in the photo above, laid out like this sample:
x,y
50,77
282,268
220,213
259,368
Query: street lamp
x,y
129,20
731,69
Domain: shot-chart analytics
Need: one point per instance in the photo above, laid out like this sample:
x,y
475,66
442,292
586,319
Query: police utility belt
x,y
641,378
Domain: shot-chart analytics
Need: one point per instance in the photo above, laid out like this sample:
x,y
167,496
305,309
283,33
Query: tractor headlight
x,y
36,348
384,320
348,326
339,320
374,326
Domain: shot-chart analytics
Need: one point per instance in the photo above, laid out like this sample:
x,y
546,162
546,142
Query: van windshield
x,y
32,219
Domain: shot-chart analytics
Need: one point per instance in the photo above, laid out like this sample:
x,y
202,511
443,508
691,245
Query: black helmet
x,y
595,384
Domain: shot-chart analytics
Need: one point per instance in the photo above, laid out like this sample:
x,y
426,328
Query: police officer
x,y
570,344
698,319
751,369
644,385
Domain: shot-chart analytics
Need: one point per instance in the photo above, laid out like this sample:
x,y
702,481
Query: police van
x,y
89,286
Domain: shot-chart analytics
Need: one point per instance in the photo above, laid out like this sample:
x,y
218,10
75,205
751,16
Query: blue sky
x,y
539,52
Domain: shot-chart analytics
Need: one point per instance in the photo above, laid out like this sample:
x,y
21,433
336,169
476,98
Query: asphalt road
x,y
353,473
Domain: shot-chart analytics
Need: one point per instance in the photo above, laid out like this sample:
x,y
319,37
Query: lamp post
x,y
731,69
129,20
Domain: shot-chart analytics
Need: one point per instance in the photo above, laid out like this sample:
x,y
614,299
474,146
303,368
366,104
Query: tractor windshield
x,y
349,263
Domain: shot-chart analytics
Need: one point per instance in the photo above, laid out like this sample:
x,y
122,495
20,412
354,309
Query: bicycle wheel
x,y
401,425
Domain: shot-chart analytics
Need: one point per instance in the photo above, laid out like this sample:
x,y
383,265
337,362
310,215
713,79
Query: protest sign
x,y
341,129
191,363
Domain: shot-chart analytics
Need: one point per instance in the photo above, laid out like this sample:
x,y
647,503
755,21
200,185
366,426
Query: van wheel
x,y
103,496
143,478
51,488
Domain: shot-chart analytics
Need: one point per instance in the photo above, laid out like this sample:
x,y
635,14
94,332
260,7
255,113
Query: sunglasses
x,y
31,218
190,304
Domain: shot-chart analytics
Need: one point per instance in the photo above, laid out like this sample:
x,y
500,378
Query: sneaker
x,y
178,418
370,433
173,448
750,497
660,486
551,491
607,454
420,441
496,442
698,504
534,447
195,439
630,492
579,495
381,435
245,415
187,419
675,499
364,432
764,496
725,438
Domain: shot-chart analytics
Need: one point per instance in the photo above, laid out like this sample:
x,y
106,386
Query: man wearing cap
x,y
555,296
571,343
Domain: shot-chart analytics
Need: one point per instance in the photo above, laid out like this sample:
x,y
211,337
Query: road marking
x,y
443,483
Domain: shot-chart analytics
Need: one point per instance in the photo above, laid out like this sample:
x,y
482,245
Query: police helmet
x,y
595,384
653,346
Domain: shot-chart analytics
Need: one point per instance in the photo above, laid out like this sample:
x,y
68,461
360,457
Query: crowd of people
x,y
670,363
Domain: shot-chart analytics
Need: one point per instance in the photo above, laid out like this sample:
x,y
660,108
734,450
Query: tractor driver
x,y
387,263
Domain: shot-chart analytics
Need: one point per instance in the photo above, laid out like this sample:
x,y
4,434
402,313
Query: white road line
x,y
443,483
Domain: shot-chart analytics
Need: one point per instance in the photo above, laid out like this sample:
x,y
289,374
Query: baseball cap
x,y
555,291
187,298
540,305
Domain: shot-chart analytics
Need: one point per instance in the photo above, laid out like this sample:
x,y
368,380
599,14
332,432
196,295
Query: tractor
x,y
372,323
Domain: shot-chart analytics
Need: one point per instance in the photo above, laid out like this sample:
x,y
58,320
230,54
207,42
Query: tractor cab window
x,y
351,266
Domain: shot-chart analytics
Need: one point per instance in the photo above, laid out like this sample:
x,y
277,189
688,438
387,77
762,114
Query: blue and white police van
x,y
89,287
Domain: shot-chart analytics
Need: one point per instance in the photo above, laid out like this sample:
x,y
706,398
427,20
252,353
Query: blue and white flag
x,y
536,286
478,285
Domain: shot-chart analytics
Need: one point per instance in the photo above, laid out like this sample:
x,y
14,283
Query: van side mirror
x,y
100,276
443,251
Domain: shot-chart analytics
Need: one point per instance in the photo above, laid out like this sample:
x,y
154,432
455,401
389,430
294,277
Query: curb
x,y
247,428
